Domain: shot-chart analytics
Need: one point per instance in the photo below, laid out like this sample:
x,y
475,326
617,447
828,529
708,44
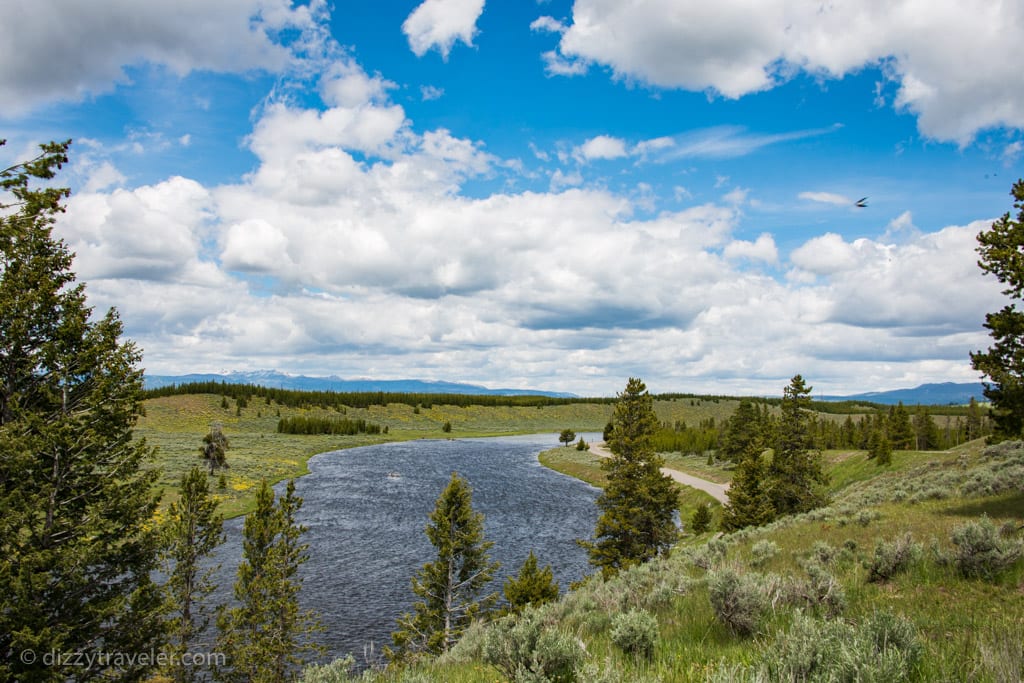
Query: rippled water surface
x,y
366,509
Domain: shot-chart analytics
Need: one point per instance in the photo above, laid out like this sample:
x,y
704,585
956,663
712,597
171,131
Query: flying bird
x,y
861,203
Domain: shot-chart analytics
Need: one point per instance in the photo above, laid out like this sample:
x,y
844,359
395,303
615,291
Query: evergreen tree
x,y
192,531
638,502
1001,248
901,432
265,637
973,420
532,586
567,437
451,588
880,448
926,432
750,502
215,446
700,521
741,430
77,543
796,474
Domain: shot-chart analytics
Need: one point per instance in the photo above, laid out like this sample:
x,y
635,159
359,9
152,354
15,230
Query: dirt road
x,y
716,491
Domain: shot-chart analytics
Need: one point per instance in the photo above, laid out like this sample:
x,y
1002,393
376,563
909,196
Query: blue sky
x,y
553,195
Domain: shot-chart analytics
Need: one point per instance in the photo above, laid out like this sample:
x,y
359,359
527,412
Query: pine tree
x,y
77,543
531,586
192,532
926,432
750,502
700,521
973,420
1001,248
796,474
741,430
265,637
638,502
901,432
880,448
451,588
214,448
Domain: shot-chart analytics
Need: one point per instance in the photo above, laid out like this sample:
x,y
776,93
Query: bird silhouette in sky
x,y
861,203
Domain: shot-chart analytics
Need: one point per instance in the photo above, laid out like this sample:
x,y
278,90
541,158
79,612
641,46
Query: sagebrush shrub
x,y
822,592
526,649
884,649
762,552
635,632
710,554
333,672
892,558
739,600
980,551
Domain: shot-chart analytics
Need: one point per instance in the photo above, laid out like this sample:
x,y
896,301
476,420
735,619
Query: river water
x,y
366,510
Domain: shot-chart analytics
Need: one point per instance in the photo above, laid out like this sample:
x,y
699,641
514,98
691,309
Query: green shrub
x,y
762,552
892,558
980,551
709,555
820,591
822,552
334,672
526,650
738,600
885,649
635,632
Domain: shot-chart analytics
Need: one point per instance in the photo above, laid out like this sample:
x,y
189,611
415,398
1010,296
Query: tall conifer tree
x,y
796,474
77,543
638,502
750,502
451,588
265,637
1001,249
192,531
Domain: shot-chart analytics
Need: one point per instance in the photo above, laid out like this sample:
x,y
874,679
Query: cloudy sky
x,y
532,193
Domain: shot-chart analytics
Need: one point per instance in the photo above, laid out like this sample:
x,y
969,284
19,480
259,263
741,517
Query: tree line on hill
x,y
905,429
302,424
332,400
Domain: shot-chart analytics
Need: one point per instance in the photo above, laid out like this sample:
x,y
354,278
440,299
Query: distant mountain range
x,y
280,380
945,393
942,394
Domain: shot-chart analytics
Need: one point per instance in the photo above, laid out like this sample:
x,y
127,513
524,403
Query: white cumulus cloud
x,y
93,41
946,58
441,23
602,147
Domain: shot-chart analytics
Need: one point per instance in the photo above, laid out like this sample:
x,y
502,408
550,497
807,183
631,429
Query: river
x,y
366,510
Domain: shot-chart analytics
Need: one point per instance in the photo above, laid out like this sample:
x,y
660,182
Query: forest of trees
x,y
301,424
916,428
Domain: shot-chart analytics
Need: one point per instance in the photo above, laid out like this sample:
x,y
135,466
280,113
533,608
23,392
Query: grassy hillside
x,y
887,583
